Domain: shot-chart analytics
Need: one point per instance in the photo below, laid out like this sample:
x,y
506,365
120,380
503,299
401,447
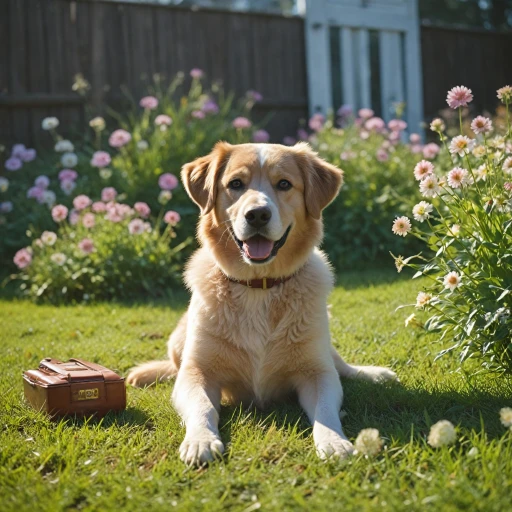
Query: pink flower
x,y
302,134
394,137
28,155
163,120
241,122
142,209
289,141
6,207
397,125
366,113
316,122
98,207
254,95
13,164
86,246
431,150
59,213
74,217
198,114
375,124
35,193
423,169
100,159
415,138
81,202
458,177
171,217
68,174
42,182
167,181
17,150
196,73
136,227
22,258
507,186
401,226
260,136
416,148
67,186
459,96
382,155
481,124
210,107
345,111
89,220
149,102
119,138
108,194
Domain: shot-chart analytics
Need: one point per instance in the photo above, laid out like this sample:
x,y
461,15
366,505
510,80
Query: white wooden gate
x,y
399,57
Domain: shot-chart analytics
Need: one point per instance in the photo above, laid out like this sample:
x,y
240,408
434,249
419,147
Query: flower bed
x,y
466,225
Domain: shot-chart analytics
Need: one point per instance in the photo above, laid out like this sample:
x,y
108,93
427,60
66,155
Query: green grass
x,y
129,461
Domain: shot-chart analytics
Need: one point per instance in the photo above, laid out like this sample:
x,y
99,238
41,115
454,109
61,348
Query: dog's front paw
x,y
199,449
376,374
334,446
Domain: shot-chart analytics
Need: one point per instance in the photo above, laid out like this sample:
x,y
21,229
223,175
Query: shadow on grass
x,y
130,416
394,409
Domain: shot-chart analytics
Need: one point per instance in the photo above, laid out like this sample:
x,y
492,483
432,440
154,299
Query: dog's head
x,y
261,205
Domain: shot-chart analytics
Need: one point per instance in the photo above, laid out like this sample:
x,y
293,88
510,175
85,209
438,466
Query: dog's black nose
x,y
258,217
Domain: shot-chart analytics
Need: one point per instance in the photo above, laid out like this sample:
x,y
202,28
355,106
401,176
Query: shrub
x,y
466,223
101,250
376,161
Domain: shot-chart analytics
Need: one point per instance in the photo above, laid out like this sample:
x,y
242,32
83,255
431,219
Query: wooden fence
x,y
45,43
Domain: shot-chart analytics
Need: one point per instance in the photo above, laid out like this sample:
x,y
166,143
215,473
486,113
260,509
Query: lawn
x,y
130,461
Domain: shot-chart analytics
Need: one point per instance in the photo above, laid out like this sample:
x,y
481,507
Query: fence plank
x,y
392,79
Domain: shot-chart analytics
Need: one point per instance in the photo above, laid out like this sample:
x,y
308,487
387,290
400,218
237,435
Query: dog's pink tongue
x,y
258,247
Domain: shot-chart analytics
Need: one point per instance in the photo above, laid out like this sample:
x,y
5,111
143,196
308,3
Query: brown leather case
x,y
75,387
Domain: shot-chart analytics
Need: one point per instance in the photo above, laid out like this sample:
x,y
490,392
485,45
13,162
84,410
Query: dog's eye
x,y
284,185
236,185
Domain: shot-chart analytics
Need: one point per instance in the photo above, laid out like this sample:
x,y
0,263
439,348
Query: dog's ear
x,y
200,177
322,181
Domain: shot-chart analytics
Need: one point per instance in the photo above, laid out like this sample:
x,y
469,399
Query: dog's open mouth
x,y
260,249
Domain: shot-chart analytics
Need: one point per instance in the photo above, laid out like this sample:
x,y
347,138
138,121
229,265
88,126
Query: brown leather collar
x,y
264,283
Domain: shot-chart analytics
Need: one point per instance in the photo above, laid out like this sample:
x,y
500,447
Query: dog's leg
x,y
198,403
369,373
321,396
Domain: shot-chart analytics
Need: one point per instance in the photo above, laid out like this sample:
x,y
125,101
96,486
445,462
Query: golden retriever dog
x,y
257,328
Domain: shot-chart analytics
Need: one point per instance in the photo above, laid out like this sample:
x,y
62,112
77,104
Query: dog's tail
x,y
151,372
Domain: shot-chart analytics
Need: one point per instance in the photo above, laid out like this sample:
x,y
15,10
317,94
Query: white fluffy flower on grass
x,y
441,433
506,417
422,211
368,442
451,281
461,145
401,226
429,187
64,146
58,258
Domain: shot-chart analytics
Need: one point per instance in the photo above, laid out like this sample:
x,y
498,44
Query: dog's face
x,y
261,203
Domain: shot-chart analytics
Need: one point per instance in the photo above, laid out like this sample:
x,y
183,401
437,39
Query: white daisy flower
x,y
401,226
451,281
48,237
442,433
461,145
454,230
64,146
423,169
368,442
422,211
58,258
422,299
429,187
458,177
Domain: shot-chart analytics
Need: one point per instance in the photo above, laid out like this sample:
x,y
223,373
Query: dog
x,y
257,328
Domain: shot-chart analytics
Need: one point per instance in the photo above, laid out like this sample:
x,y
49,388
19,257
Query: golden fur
x,y
251,345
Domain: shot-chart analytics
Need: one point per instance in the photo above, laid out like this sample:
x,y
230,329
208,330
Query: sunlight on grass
x,y
129,461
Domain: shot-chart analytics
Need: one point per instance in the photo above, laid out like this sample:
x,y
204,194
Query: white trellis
x,y
399,57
